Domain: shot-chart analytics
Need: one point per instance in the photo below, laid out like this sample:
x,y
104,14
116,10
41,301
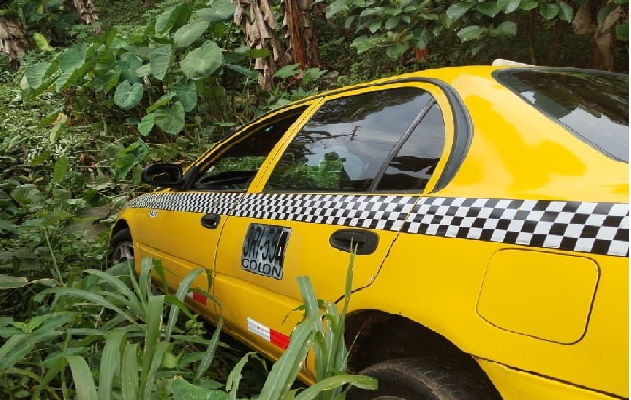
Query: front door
x,y
182,227
349,176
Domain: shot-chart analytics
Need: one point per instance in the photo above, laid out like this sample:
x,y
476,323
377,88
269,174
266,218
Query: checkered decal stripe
x,y
372,212
600,228
219,203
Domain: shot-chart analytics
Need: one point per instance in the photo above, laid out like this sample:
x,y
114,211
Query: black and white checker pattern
x,y
600,228
197,202
372,212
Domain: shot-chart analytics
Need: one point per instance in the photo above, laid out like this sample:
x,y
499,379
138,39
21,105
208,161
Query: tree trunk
x,y
12,40
604,41
558,35
259,26
302,44
86,11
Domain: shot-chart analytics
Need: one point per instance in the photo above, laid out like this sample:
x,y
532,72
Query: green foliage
x,y
397,27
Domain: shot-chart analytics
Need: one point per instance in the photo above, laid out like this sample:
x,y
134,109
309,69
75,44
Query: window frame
x,y
436,89
215,153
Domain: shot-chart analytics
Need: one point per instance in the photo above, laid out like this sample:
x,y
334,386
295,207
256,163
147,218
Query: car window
x,y
593,105
240,159
419,152
344,145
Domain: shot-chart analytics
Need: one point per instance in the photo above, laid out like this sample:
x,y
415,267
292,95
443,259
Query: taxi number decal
x,y
264,250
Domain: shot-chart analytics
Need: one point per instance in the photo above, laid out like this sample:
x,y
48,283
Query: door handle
x,y
364,242
210,221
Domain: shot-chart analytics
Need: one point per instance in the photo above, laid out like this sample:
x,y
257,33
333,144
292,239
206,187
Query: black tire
x,y
121,247
426,379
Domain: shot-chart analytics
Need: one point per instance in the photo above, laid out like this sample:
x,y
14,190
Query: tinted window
x,y
414,163
593,105
240,160
345,144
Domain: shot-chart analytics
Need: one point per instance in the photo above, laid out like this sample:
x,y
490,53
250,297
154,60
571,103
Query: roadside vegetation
x,y
85,104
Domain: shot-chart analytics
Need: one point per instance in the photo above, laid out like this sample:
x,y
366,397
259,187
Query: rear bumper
x,y
514,384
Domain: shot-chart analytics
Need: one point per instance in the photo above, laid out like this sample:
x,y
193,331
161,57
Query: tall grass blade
x,y
232,383
110,363
92,298
181,292
82,377
156,360
152,337
337,381
133,301
130,387
285,370
209,355
144,281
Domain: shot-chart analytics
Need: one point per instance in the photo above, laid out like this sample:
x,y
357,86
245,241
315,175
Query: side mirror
x,y
163,175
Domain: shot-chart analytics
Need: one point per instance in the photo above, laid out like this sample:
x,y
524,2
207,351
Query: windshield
x,y
593,105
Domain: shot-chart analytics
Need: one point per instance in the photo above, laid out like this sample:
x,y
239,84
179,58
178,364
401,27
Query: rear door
x,y
351,173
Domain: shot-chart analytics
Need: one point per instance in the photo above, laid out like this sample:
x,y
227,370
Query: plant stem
x,y
52,256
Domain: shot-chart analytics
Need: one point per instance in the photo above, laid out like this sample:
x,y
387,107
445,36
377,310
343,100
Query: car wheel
x,y
425,379
122,247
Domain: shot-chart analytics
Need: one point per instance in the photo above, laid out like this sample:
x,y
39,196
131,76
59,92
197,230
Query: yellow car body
x,y
544,312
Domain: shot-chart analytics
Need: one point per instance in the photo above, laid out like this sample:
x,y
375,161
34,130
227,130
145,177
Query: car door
x,y
350,174
182,227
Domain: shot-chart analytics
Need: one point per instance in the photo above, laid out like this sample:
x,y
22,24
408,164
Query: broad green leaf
x,y
160,61
171,120
14,350
146,124
73,57
505,28
566,12
471,32
60,169
127,96
488,8
129,64
622,31
243,70
35,74
82,377
182,390
374,26
528,5
396,50
457,10
110,363
11,282
143,71
58,129
186,35
392,23
41,42
363,44
173,17
508,6
287,71
548,10
186,93
202,62
219,10
162,101
336,7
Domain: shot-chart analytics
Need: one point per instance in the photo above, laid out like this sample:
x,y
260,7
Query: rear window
x,y
594,105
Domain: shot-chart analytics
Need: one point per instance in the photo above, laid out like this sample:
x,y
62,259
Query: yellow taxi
x,y
490,209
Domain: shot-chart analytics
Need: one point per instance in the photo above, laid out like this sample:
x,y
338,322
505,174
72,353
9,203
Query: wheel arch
x,y
119,226
374,336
